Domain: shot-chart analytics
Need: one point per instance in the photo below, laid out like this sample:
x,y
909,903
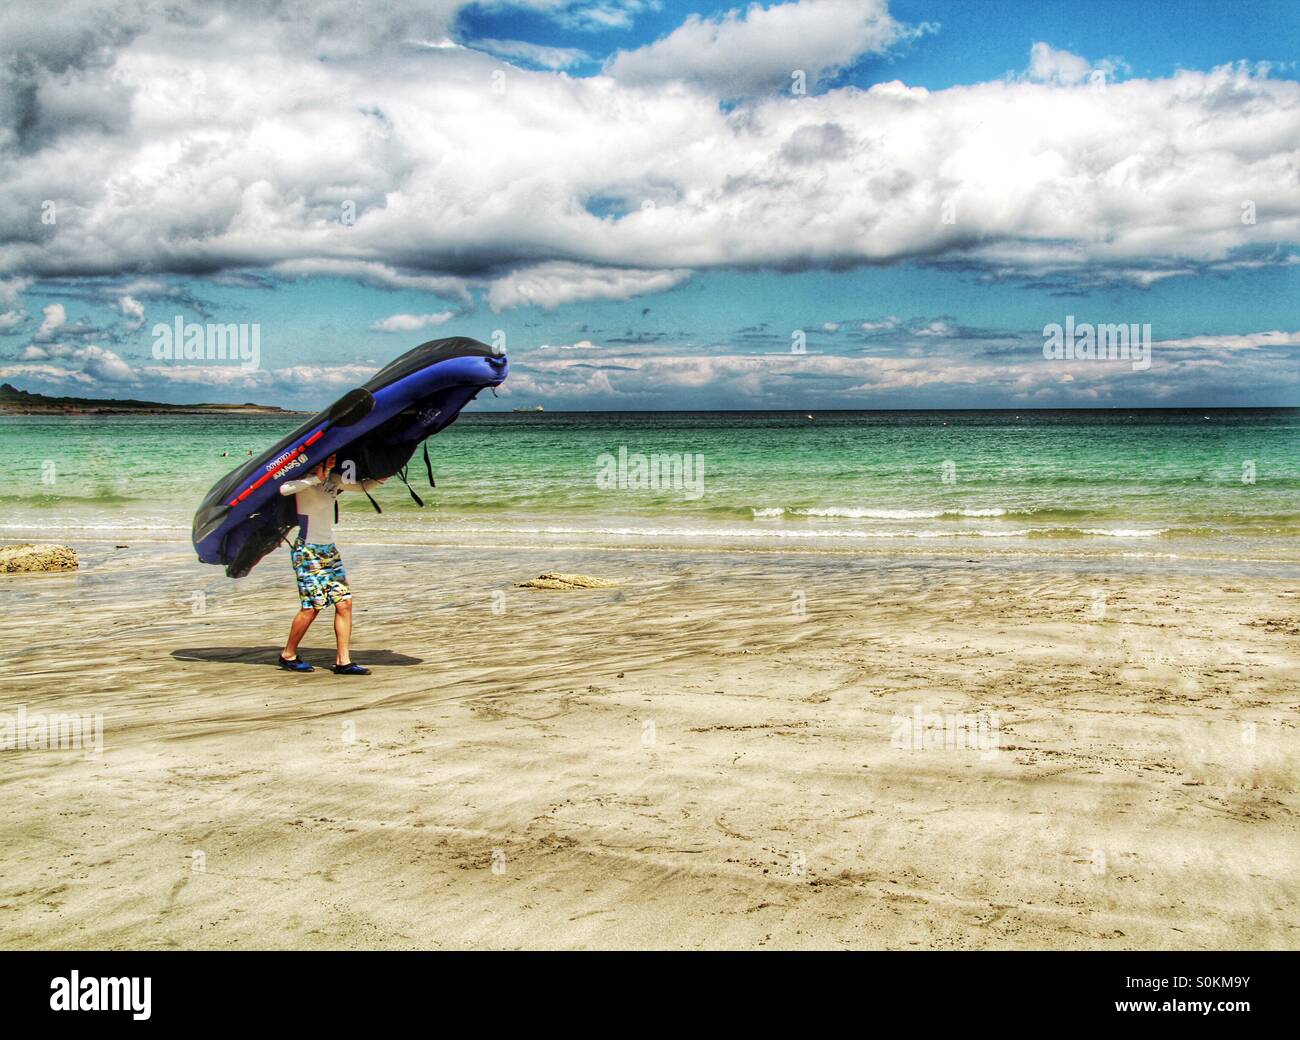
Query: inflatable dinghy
x,y
376,427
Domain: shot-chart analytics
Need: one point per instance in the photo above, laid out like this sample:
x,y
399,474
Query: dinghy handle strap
x,y
401,473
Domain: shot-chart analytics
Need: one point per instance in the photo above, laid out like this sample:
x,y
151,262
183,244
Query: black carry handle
x,y
401,473
351,408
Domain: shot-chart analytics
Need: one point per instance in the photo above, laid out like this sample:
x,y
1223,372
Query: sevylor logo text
x,y
286,461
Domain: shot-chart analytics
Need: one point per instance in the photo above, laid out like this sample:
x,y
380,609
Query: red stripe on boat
x,y
267,476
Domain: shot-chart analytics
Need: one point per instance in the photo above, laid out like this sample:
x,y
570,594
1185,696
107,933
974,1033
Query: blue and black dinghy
x,y
376,427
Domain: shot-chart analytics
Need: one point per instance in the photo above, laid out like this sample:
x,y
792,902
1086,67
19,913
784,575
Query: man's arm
x,y
365,485
292,487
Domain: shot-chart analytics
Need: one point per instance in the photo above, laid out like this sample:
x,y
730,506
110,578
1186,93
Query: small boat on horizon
x,y
534,408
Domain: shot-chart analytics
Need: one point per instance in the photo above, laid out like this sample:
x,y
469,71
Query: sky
x,y
654,205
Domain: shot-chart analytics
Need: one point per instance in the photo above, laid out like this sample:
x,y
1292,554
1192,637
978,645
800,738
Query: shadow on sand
x,y
269,655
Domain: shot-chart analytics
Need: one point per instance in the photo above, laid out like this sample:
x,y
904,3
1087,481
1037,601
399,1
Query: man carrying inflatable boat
x,y
375,429
322,582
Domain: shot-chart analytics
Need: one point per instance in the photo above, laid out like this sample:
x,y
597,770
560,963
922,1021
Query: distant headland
x,y
20,402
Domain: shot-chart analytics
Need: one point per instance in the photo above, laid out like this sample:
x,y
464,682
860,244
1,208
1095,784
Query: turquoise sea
x,y
1130,482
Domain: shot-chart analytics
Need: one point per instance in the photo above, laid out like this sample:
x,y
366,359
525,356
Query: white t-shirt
x,y
314,502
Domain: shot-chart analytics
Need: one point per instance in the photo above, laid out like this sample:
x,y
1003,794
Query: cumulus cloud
x,y
1048,65
46,375
305,378
96,367
97,363
411,322
1244,341
533,53
1021,377
816,144
55,318
302,383
744,52
938,327
370,272
48,351
582,344
583,15
12,314
228,145
583,373
11,291
552,284
133,309
106,365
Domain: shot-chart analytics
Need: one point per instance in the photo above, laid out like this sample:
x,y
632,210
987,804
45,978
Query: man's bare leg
x,y
301,622
343,630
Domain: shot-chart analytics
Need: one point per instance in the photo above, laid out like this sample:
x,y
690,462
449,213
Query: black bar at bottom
x,y
214,989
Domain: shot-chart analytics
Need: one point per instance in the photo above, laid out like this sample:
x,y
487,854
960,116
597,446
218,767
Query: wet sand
x,y
715,754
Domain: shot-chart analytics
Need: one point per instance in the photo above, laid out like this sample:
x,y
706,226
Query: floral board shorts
x,y
321,578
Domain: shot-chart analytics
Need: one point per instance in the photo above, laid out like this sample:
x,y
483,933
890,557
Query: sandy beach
x,y
729,750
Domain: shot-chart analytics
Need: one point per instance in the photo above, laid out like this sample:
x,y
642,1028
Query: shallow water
x,y
1137,484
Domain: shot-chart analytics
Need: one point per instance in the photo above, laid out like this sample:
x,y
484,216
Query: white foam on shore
x,y
871,514
851,513
1103,532
117,525
743,532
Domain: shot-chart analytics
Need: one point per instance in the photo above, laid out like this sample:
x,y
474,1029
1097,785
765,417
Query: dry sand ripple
x,y
705,756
